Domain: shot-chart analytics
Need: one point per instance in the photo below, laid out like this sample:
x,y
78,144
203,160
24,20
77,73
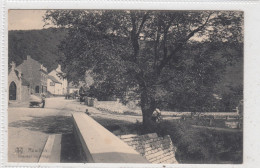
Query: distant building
x,y
19,88
72,88
61,78
54,86
35,73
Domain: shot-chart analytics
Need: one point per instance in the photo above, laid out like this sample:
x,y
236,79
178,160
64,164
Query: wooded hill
x,y
41,45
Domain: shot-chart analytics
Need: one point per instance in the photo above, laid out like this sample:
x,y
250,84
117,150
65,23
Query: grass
x,y
194,145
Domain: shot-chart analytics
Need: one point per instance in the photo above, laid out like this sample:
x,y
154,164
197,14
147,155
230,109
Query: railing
x,y
200,113
98,145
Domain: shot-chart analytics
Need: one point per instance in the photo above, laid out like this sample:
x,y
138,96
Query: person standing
x,y
43,99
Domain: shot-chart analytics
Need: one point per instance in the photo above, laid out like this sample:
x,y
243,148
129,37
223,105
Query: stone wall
x,y
116,107
25,93
155,149
98,145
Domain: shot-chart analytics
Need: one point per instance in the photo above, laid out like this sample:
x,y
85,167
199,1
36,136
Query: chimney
x,y
13,65
28,57
59,67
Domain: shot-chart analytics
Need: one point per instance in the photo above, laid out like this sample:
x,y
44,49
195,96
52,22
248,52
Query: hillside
x,y
41,45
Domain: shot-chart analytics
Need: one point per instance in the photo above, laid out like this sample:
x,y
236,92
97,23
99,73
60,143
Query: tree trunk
x,y
148,106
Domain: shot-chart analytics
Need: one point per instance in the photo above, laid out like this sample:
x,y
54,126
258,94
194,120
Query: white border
x,y
251,68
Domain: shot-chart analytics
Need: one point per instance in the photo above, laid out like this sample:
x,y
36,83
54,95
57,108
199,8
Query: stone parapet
x,y
98,145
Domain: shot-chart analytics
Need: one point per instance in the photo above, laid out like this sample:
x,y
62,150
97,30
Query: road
x,y
29,128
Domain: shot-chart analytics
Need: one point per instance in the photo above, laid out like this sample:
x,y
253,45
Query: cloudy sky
x,y
25,19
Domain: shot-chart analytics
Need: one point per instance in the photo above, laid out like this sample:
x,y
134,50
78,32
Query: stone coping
x,y
101,146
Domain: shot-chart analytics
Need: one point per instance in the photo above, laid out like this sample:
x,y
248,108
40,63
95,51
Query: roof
x,y
61,73
15,70
44,71
53,79
25,82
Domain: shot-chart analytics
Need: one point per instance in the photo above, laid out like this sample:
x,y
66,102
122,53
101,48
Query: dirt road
x,y
29,128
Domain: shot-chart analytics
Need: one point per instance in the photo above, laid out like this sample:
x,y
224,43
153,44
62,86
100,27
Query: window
x,y
52,84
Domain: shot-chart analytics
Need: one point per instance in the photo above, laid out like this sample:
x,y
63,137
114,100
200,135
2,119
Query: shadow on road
x,y
55,125
47,124
69,150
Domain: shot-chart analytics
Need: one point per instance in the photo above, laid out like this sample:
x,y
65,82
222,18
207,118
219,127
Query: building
x,y
54,86
61,78
72,87
35,73
19,88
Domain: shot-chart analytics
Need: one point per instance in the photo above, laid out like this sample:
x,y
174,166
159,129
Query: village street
x,y
29,128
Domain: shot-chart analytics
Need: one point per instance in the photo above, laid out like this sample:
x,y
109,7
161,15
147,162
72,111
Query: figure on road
x,y
43,99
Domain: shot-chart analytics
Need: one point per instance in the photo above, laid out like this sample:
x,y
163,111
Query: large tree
x,y
150,51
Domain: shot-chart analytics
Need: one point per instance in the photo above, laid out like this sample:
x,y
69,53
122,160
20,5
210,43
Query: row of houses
x,y
31,77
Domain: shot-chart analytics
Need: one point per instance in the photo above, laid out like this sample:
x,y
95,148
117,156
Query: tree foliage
x,y
168,57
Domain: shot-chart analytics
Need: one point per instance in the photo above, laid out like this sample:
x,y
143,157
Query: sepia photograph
x,y
125,86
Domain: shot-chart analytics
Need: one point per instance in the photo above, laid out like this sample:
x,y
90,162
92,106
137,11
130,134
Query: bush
x,y
196,145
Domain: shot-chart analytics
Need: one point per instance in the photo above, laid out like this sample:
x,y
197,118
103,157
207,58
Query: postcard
x,y
130,84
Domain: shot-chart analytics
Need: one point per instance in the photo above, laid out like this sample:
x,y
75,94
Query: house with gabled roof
x,y
57,82
54,86
35,73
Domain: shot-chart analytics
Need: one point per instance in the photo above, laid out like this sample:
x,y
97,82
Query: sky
x,y
33,19
25,19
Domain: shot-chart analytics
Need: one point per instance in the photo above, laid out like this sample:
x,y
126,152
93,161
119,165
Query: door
x,y
12,91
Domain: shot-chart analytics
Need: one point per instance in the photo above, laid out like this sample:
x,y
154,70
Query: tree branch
x,y
142,23
156,44
180,45
134,38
